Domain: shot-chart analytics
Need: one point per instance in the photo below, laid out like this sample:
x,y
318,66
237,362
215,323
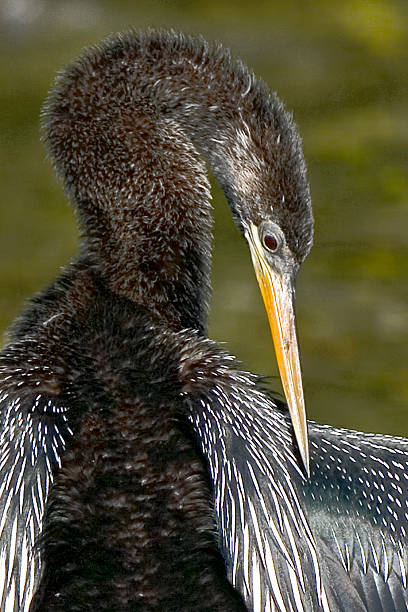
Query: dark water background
x,y
343,69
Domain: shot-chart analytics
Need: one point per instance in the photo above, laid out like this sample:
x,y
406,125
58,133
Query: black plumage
x,y
128,522
141,469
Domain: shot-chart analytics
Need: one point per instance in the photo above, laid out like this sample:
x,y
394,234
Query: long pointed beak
x,y
277,293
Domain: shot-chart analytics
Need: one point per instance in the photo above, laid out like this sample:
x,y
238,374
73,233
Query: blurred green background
x,y
342,67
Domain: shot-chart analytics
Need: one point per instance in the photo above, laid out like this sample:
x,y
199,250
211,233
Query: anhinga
x,y
125,433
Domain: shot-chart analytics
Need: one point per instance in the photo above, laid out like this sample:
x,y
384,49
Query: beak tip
x,y
304,453
302,439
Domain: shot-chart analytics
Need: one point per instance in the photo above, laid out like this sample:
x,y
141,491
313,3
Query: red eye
x,y
270,242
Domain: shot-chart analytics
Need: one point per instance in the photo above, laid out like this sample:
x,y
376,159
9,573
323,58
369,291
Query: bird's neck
x,y
144,206
150,238
125,128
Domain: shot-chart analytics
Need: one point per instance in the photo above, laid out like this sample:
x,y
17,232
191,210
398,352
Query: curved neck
x,y
125,126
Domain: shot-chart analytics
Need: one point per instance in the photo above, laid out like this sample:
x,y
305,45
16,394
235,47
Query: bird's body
x,y
172,469
91,400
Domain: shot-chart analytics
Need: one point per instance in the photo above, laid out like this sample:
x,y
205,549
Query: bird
x,y
141,468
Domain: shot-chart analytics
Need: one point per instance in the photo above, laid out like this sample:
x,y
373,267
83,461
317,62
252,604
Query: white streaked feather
x,y
375,558
256,584
386,562
12,549
10,598
403,569
295,552
269,605
277,595
324,601
23,568
246,555
235,562
3,556
270,522
5,515
295,588
259,549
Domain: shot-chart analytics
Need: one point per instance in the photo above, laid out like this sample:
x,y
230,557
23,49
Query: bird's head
x,y
264,177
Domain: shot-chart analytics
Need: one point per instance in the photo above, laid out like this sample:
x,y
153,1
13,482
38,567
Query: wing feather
x,y
34,431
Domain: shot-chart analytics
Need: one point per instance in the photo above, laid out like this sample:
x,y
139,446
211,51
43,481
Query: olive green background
x,y
342,67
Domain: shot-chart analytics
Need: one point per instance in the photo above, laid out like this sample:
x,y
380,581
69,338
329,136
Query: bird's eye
x,y
270,236
271,242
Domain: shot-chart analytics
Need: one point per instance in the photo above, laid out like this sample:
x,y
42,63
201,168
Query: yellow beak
x,y
277,296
